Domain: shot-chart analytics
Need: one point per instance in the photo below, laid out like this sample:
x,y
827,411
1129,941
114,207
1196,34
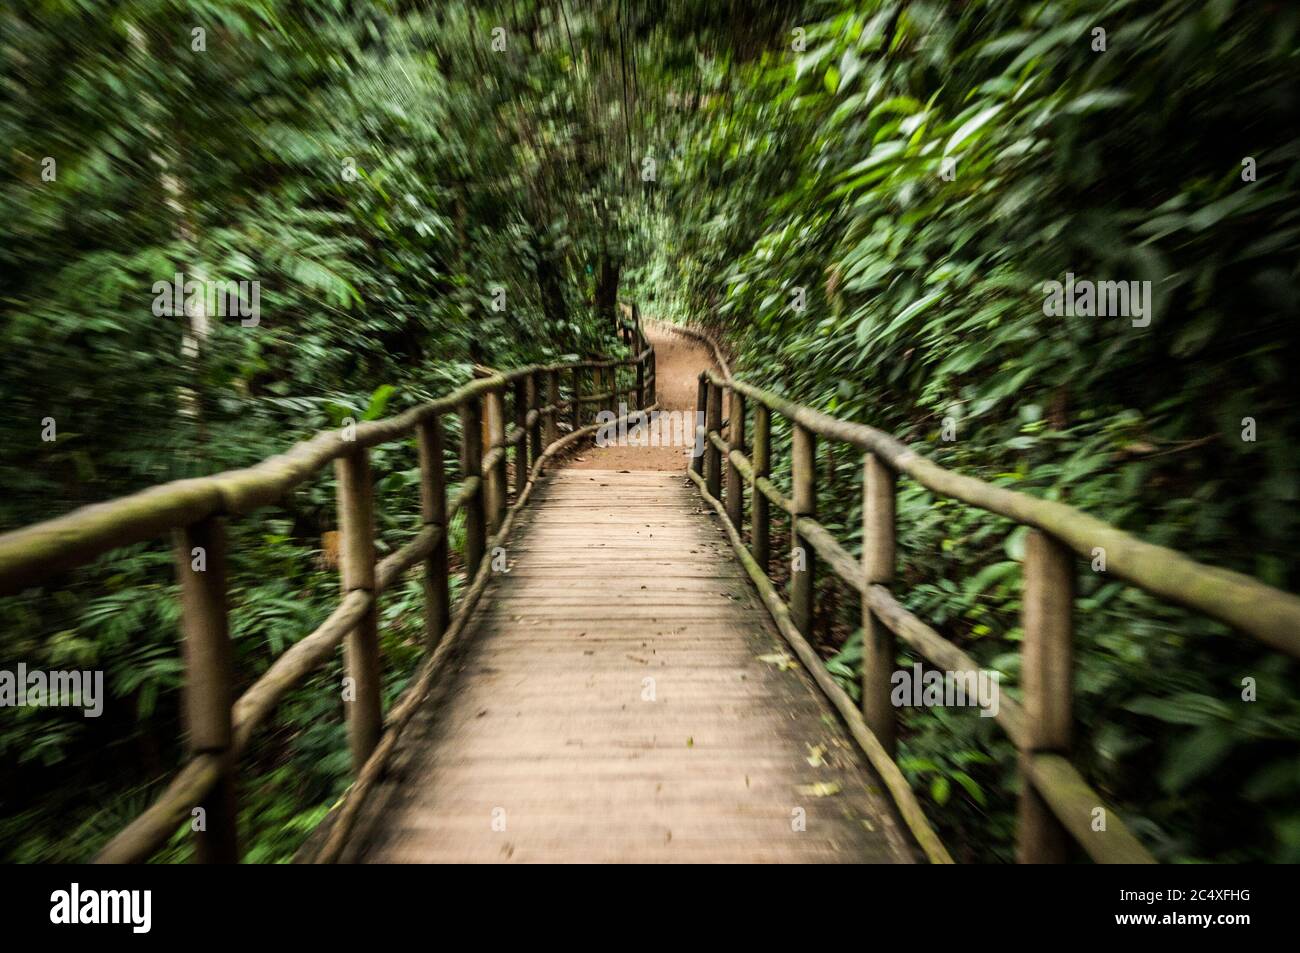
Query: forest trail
x,y
624,696
679,360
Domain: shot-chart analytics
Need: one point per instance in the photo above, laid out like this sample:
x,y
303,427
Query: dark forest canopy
x,y
868,201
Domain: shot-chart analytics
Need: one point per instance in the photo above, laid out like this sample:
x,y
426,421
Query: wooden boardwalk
x,y
621,697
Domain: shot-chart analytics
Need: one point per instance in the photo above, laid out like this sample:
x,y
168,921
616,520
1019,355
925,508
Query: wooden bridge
x,y
620,680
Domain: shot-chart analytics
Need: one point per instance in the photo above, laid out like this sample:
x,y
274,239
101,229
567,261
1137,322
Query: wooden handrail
x,y
1055,800
33,553
219,732
1269,614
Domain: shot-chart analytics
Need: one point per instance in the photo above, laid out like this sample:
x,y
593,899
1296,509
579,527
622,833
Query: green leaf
x,y
1188,708
1195,755
378,402
971,126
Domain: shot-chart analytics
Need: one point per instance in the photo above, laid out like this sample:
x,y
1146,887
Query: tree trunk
x,y
607,291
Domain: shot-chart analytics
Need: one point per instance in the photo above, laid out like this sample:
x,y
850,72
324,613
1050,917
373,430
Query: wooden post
x,y
552,432
201,561
471,465
735,482
494,402
713,456
576,409
878,558
433,510
357,561
701,402
654,375
533,403
762,460
640,385
802,580
1048,687
525,439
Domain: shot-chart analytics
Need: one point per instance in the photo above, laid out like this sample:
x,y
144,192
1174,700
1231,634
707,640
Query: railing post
x,y
803,557
654,376
576,409
533,405
878,558
496,475
1047,684
433,510
701,407
736,441
201,561
357,561
762,463
525,440
471,466
713,456
552,432
640,384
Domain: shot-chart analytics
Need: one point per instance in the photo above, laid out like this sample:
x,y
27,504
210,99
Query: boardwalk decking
x,y
611,705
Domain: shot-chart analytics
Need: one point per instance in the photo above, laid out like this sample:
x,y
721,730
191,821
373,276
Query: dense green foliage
x,y
824,170
379,173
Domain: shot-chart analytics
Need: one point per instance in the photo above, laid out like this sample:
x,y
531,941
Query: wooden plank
x,y
888,771
551,727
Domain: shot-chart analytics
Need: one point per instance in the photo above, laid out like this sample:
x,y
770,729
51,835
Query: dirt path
x,y
679,360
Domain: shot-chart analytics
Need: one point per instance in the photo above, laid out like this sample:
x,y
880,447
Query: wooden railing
x,y
1055,800
219,727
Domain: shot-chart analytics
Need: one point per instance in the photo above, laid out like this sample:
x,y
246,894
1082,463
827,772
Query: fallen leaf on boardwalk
x,y
779,659
816,755
690,742
820,789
